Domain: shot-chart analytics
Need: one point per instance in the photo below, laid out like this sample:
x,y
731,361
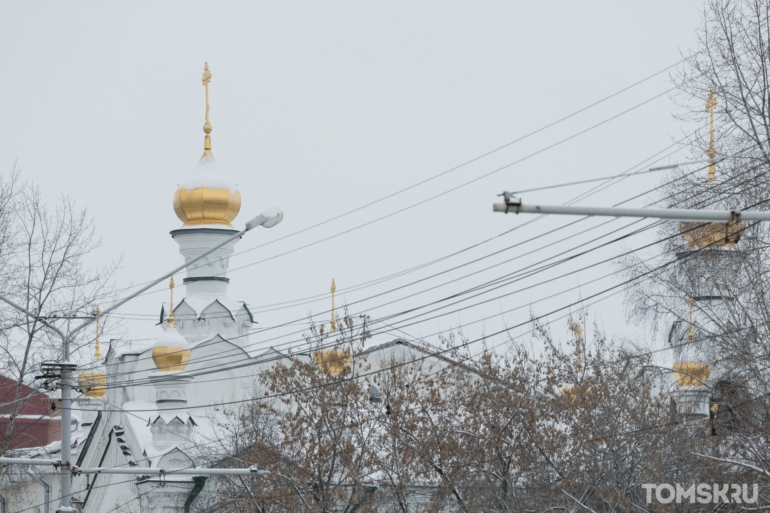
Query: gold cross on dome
x,y
333,323
206,74
206,79
711,106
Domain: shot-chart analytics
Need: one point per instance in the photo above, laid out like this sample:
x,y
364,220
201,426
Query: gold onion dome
x,y
94,383
691,368
207,196
333,361
700,235
171,351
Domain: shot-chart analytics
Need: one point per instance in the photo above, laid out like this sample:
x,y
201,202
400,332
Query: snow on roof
x,y
37,452
134,348
207,174
199,303
205,433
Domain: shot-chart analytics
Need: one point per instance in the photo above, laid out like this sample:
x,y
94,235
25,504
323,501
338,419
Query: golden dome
x,y
94,383
169,358
203,201
688,374
332,361
207,196
171,351
691,368
699,235
578,396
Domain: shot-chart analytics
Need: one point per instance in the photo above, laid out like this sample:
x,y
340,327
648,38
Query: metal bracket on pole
x,y
511,201
53,370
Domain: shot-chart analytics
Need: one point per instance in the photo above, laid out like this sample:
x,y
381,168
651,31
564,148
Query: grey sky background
x,y
319,108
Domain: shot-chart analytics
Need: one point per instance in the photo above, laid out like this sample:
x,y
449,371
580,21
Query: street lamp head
x,y
273,215
268,219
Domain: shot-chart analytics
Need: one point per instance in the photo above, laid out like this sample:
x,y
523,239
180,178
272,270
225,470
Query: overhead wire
x,y
443,351
239,349
431,198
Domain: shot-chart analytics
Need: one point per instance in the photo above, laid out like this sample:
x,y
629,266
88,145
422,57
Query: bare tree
x,y
43,250
314,437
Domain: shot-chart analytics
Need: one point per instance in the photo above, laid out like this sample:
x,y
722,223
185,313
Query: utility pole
x,y
64,370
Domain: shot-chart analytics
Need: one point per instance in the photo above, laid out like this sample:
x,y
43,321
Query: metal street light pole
x,y
516,206
268,219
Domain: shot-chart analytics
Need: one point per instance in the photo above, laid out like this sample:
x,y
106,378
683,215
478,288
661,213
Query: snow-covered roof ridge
x,y
270,352
199,303
134,348
167,417
218,339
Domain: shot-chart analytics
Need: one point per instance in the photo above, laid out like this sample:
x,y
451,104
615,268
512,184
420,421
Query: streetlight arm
x,y
268,219
516,206
34,316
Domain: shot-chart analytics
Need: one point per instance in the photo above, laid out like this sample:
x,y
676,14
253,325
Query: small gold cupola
x,y
207,196
691,368
333,361
171,351
577,394
94,383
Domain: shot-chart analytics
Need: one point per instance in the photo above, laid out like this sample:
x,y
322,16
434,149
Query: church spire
x,y
97,347
711,106
207,196
333,323
700,235
691,369
578,348
207,126
171,303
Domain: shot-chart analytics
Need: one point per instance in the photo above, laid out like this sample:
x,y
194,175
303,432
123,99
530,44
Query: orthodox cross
x,y
711,106
333,323
207,126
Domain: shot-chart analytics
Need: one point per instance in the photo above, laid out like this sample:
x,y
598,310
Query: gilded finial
x,y
207,126
578,345
711,106
97,347
171,303
333,323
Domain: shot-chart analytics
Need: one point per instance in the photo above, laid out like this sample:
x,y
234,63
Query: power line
x,y
632,223
704,191
431,198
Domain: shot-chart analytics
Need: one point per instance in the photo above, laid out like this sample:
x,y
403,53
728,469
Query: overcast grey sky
x,y
321,107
